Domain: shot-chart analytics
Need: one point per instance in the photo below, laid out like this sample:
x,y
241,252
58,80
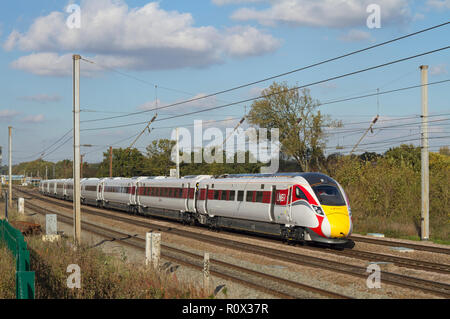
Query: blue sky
x,y
192,48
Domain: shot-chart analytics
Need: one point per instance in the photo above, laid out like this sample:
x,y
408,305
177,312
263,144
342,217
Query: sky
x,y
139,55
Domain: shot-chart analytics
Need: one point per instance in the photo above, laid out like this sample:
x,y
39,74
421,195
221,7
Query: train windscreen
x,y
329,195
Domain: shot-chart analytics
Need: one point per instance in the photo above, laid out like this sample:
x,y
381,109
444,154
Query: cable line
x,y
275,76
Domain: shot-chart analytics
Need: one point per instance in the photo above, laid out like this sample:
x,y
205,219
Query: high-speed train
x,y
297,207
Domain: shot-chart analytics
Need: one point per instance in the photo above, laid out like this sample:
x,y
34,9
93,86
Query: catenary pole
x,y
110,162
10,203
76,149
425,230
178,153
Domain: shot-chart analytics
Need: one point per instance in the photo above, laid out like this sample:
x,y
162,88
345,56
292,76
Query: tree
x,y
126,163
159,160
405,155
298,119
444,150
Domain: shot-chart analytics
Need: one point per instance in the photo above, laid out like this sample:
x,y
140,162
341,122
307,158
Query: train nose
x,y
339,220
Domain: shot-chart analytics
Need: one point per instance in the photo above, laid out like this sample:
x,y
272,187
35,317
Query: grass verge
x,y
102,276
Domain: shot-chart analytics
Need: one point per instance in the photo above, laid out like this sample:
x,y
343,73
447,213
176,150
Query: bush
x,y
102,276
385,194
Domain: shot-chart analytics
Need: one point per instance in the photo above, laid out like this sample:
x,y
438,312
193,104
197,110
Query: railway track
x,y
358,254
383,242
436,288
273,285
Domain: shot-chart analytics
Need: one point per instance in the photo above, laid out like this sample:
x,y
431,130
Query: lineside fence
x,y
15,241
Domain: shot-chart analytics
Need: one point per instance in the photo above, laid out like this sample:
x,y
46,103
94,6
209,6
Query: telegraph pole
x,y
10,169
425,225
76,150
110,162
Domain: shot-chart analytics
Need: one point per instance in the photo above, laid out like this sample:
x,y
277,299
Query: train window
x,y
216,194
267,197
231,195
240,196
249,197
299,194
259,197
223,195
262,186
329,195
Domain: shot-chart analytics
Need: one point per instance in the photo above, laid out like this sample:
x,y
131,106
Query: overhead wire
x,y
285,73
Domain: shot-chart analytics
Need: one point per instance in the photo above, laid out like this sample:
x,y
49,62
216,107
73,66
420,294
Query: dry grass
x,y
7,274
102,276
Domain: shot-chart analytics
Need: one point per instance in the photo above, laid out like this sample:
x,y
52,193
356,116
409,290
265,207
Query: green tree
x,y
295,113
159,160
126,163
405,155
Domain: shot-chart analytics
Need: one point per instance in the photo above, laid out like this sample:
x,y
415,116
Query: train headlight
x,y
318,210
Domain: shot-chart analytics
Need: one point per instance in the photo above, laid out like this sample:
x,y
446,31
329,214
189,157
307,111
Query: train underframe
x,y
288,234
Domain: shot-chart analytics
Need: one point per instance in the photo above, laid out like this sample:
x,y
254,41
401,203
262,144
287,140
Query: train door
x,y
100,191
138,202
196,197
289,203
131,198
205,203
282,204
272,203
186,205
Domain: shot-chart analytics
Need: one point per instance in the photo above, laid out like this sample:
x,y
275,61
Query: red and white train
x,y
296,207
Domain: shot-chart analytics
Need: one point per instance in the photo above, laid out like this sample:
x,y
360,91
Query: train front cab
x,y
333,220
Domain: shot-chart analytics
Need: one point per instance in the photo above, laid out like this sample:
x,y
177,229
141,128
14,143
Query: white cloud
x,y
439,4
324,13
143,38
248,41
438,69
226,2
41,98
8,114
355,35
52,64
33,119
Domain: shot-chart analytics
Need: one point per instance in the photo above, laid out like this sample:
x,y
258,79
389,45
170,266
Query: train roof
x,y
313,178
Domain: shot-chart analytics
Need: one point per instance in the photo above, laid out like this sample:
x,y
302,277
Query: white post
x,y
425,231
206,277
10,203
21,205
152,249
76,149
178,154
51,228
